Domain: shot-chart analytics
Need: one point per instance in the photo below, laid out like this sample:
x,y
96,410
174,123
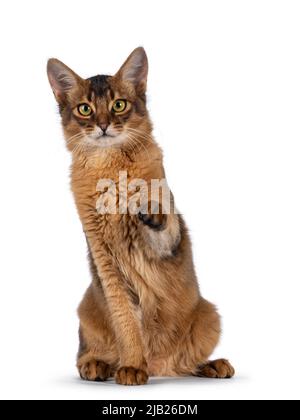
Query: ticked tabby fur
x,y
143,313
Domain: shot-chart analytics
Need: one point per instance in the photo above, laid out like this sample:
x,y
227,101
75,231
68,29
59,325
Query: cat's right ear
x,y
61,78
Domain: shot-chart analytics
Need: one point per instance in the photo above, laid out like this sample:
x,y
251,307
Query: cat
x,y
143,314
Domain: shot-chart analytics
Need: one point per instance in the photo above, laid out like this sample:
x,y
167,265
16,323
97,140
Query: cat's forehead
x,y
105,86
99,85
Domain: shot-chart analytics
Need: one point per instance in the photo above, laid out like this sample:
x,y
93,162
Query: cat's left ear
x,y
135,69
61,78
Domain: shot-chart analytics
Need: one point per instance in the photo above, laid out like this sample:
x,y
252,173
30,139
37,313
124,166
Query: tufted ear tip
x,y
140,50
135,68
51,61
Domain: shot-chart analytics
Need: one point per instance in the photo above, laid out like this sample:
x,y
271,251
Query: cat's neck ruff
x,y
116,156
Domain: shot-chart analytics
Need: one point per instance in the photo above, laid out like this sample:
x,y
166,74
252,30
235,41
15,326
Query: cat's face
x,y
102,111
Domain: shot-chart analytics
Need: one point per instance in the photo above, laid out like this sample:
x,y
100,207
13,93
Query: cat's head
x,y
102,111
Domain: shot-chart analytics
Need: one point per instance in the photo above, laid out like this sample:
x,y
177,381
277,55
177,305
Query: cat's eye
x,y
120,105
85,110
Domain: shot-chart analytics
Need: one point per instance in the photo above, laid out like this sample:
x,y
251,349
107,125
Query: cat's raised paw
x,y
221,369
94,370
131,376
153,221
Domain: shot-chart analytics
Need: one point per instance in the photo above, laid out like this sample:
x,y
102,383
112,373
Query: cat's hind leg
x,y
205,336
199,344
221,369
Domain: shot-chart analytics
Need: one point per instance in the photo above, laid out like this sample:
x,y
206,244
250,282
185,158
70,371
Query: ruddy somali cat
x,y
143,313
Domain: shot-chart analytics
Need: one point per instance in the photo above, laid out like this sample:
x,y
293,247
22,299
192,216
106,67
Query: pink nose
x,y
103,127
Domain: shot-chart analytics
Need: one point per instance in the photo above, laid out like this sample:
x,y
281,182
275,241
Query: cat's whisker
x,y
138,142
80,146
141,137
132,145
146,136
137,130
80,134
77,137
140,134
73,138
78,149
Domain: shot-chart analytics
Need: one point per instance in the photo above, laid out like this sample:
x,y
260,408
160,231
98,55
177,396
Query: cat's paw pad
x,y
131,376
94,370
216,369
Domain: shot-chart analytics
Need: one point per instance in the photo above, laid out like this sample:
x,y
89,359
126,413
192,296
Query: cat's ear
x,y
61,78
135,69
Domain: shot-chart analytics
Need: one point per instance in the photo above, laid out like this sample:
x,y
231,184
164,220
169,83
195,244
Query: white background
x,y
224,95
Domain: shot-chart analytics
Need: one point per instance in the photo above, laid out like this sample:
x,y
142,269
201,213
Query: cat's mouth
x,y
106,139
104,136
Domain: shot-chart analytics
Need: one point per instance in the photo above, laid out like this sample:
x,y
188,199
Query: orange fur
x,y
143,313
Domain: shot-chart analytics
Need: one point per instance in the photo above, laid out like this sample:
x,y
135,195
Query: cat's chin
x,y
104,142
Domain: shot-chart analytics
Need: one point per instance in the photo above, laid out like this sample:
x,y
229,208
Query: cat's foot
x,y
216,369
94,370
131,376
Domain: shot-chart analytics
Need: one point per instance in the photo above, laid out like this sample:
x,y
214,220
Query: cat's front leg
x,y
132,364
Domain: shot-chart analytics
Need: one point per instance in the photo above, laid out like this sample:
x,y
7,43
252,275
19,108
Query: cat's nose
x,y
103,127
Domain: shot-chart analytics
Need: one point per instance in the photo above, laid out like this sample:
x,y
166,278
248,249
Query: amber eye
x,y
119,105
85,110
